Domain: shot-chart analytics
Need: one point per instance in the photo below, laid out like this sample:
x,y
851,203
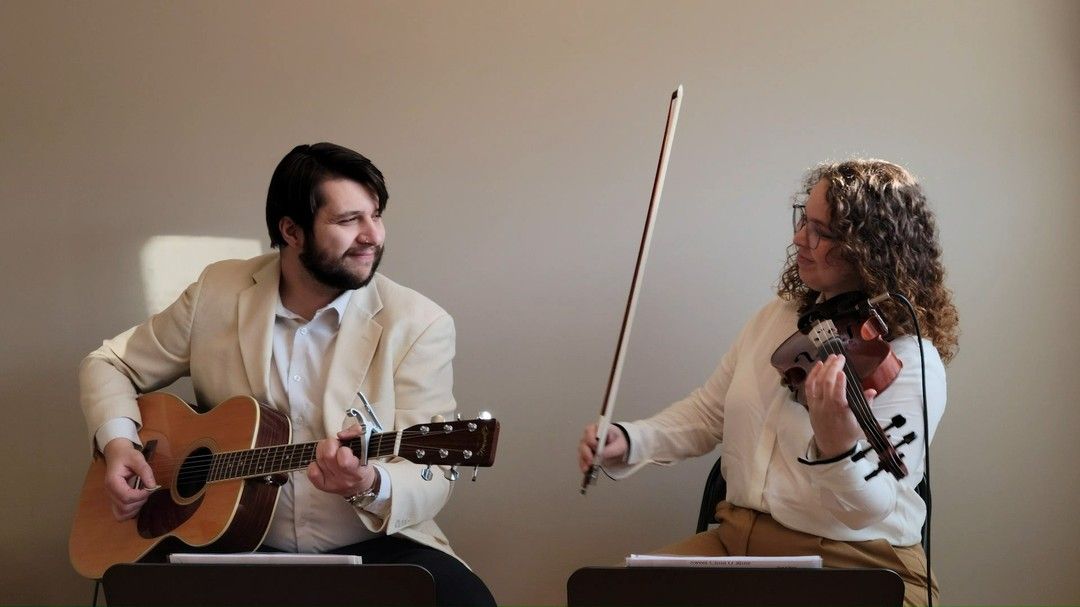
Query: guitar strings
x,y
280,453
201,467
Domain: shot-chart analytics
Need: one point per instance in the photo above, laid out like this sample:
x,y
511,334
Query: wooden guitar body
x,y
219,474
228,516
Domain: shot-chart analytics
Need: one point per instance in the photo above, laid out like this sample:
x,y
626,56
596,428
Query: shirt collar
x,y
339,305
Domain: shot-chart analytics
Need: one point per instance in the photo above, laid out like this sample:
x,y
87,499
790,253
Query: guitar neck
x,y
266,461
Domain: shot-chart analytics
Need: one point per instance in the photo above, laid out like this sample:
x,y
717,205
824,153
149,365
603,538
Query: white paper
x,y
265,558
668,560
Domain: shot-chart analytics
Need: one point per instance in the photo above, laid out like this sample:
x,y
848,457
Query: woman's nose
x,y
800,238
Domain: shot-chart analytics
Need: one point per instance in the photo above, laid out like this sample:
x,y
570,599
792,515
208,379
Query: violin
x,y
849,325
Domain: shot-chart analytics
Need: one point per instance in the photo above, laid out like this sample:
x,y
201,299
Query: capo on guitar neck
x,y
374,425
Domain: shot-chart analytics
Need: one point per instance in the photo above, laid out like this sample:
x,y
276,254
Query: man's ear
x,y
292,233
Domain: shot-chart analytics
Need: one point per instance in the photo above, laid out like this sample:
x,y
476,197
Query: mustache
x,y
364,248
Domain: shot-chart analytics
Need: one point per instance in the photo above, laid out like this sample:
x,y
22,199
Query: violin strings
x,y
857,400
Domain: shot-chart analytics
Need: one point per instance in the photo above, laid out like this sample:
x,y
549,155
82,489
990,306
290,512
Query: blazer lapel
x,y
256,322
357,339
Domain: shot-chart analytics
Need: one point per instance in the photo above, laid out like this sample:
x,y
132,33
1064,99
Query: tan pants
x,y
745,532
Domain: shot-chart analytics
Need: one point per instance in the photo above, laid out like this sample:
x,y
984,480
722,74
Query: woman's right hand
x,y
615,448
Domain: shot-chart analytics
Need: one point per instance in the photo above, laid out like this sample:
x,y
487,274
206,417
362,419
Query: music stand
x,y
698,587
175,585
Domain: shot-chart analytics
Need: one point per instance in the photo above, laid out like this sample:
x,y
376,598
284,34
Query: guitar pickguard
x,y
160,515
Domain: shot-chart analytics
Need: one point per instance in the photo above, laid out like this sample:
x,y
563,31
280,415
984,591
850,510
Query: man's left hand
x,y
336,468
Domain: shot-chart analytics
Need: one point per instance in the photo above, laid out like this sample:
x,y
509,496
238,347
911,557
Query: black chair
x,y
716,489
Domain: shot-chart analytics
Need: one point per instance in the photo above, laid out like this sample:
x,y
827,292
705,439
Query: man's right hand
x,y
123,464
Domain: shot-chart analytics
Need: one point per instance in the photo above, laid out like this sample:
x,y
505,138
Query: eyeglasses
x,y
814,235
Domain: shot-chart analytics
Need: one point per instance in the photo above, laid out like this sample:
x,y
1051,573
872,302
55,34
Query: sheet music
x,y
669,560
265,558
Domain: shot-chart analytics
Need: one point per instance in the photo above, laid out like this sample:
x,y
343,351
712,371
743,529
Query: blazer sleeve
x,y
142,359
423,387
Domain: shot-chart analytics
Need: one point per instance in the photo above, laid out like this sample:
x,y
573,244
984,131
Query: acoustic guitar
x,y
219,474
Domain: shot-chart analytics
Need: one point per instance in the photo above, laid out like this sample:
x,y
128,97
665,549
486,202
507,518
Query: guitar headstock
x,y
462,442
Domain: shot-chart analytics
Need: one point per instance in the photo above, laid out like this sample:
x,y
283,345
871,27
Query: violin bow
x,y
635,288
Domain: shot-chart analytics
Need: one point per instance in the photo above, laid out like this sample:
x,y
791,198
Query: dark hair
x,y
886,230
294,187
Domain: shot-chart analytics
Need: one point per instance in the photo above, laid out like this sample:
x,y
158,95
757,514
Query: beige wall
x,y
520,140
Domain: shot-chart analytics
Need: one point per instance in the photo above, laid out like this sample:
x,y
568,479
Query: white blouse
x,y
764,432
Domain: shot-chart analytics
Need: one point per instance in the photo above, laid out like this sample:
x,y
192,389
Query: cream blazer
x,y
393,344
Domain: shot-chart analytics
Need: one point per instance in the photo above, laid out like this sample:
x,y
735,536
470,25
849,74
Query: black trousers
x,y
455,584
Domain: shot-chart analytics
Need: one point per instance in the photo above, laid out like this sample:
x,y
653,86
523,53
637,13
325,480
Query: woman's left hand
x,y
835,428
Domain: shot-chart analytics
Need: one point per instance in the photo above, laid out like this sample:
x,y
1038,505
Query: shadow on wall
x,y
170,263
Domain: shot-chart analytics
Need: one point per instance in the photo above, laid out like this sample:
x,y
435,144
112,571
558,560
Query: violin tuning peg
x,y
874,473
427,474
452,474
896,422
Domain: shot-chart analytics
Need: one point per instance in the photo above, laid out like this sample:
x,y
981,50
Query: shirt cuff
x,y
838,474
380,506
629,443
810,458
117,427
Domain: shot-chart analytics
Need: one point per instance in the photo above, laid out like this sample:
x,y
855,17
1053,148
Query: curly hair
x,y
886,230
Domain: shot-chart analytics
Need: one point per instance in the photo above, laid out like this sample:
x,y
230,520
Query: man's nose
x,y
368,231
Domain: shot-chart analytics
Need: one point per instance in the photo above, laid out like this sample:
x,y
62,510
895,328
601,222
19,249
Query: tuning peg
x,y
475,471
484,415
457,416
451,474
427,474
437,419
896,421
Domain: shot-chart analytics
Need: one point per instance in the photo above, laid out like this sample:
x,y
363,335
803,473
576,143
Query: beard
x,y
332,271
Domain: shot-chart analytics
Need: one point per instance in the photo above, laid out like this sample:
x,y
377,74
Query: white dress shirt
x,y
308,519
765,432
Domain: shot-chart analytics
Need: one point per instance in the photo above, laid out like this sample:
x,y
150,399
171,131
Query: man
x,y
304,330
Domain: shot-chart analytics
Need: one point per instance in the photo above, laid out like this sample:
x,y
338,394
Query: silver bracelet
x,y
363,498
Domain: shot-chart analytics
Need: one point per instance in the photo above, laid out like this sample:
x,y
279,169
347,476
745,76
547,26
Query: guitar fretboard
x,y
265,461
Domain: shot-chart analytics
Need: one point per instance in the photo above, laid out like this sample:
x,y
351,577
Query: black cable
x,y
926,441
97,584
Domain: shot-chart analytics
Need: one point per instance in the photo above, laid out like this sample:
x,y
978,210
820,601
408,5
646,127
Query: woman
x,y
792,486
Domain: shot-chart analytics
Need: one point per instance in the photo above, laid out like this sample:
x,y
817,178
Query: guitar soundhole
x,y
193,473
